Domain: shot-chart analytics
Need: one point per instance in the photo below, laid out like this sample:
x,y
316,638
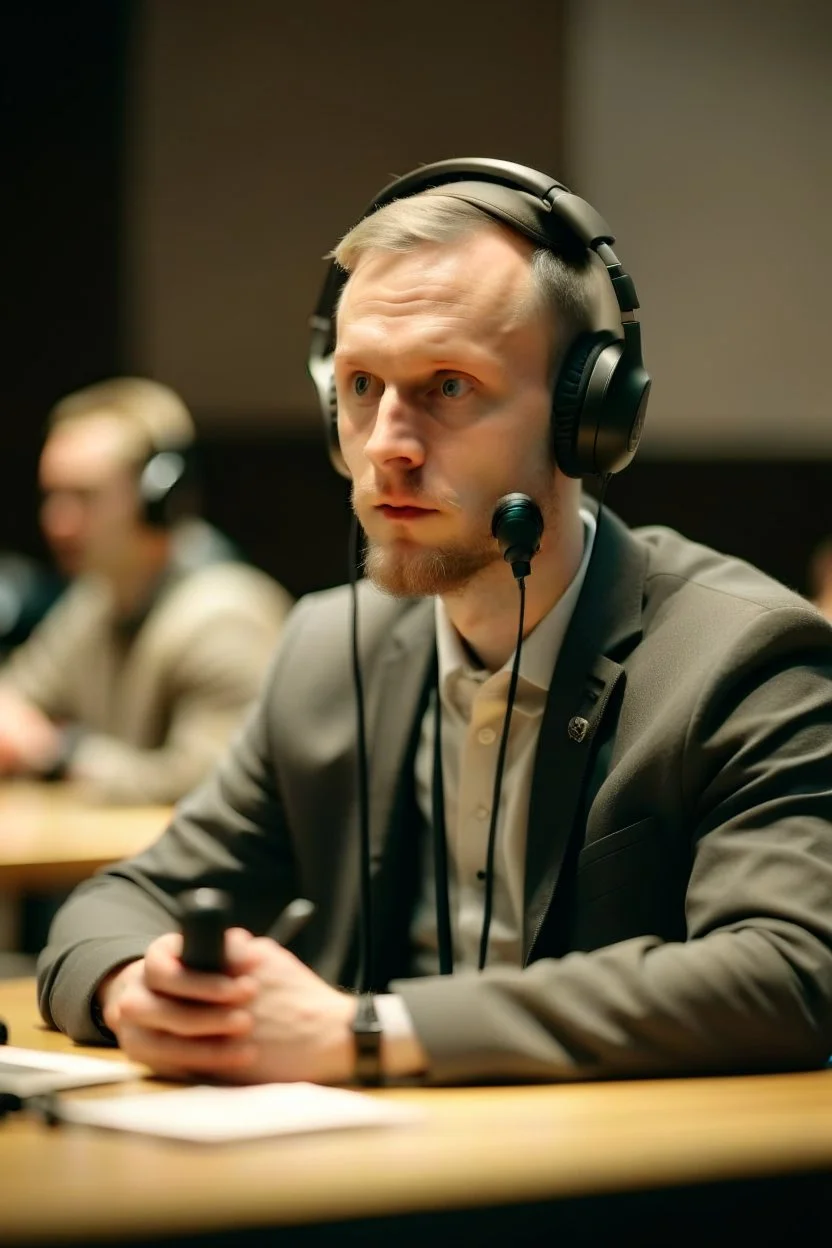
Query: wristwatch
x,y
97,1016
367,1031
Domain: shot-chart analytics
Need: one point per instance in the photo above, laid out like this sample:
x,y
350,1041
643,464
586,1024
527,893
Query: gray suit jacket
x,y
678,876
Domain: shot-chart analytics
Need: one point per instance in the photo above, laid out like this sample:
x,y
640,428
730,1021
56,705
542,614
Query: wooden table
x,y
509,1161
51,837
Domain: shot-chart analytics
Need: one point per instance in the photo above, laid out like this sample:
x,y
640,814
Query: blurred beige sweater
x,y
154,701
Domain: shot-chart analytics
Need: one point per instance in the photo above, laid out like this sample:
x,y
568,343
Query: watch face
x,y
366,1019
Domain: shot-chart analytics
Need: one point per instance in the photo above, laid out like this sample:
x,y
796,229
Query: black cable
x,y
602,494
362,782
498,781
45,1104
488,901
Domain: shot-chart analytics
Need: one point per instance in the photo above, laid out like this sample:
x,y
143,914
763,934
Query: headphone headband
x,y
611,383
581,217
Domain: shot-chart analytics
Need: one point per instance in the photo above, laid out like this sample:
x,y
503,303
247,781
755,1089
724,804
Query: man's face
x,y
89,508
444,396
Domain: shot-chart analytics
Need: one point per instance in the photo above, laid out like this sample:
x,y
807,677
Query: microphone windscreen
x,y
517,524
517,520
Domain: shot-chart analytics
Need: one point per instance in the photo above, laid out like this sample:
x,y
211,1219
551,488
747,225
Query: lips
x,y
404,511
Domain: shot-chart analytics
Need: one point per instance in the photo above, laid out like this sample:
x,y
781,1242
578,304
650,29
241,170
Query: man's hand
x,y
269,1019
29,741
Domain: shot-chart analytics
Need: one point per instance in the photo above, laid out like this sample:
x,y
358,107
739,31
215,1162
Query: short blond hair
x,y
155,417
573,289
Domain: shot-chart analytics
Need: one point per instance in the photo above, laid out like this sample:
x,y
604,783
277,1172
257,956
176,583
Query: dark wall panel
x,y
62,74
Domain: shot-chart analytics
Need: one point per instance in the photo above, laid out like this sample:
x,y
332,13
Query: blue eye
x,y
453,387
361,384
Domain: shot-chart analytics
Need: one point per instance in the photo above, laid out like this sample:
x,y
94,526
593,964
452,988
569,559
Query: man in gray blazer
x,y
656,896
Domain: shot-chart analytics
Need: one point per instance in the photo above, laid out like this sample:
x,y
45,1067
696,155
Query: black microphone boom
x,y
517,524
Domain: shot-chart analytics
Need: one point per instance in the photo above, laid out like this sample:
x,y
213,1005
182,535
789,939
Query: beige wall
x,y
699,129
702,132
259,132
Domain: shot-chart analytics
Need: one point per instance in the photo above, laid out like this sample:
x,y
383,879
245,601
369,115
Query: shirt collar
x,y
540,648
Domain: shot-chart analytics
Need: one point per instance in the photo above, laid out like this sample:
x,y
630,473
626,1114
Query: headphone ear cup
x,y
335,455
161,484
322,372
568,406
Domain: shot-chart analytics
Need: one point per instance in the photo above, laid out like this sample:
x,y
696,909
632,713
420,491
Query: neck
x,y
138,572
485,611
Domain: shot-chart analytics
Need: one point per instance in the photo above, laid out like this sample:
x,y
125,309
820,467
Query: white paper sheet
x,y
33,1072
212,1115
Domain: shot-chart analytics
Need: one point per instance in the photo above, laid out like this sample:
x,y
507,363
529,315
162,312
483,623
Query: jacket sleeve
x,y
216,674
38,669
751,986
229,833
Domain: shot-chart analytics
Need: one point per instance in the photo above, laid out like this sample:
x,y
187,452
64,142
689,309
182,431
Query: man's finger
x,y
206,987
183,1018
180,1057
165,974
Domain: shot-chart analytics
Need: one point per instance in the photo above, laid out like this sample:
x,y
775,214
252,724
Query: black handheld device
x,y
204,915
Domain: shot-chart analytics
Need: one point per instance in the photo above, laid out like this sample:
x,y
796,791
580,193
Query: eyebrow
x,y
473,362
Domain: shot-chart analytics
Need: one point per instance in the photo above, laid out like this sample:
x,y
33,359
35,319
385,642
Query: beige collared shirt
x,y
473,709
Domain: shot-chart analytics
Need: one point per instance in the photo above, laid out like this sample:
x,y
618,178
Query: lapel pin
x,y
577,727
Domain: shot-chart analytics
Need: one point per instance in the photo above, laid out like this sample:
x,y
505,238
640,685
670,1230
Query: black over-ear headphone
x,y
167,480
600,396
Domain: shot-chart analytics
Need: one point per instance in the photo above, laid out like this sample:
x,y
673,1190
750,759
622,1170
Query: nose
x,y
396,439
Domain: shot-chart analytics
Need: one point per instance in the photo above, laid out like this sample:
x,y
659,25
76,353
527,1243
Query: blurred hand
x,y
29,741
269,1019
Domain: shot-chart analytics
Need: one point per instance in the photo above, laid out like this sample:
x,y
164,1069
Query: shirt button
x,y
486,736
482,812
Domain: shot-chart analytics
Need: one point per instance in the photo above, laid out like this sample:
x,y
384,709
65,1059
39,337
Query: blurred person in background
x,y
135,679
820,577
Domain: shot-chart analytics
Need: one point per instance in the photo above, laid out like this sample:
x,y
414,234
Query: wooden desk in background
x,y
51,838
636,1161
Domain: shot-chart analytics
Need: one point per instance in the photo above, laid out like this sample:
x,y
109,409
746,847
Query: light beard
x,y
418,572
407,570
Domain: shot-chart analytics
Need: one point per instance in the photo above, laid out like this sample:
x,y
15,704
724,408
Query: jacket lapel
x,y
402,681
399,684
606,620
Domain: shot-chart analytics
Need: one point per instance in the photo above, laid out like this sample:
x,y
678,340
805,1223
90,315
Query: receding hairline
x,y
125,444
429,218
564,288
155,411
524,295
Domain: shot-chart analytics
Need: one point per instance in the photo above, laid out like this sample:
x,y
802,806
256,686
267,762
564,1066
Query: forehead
x,y
88,450
479,285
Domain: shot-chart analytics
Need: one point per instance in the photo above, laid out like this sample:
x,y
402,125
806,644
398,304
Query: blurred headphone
x,y
600,395
167,480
